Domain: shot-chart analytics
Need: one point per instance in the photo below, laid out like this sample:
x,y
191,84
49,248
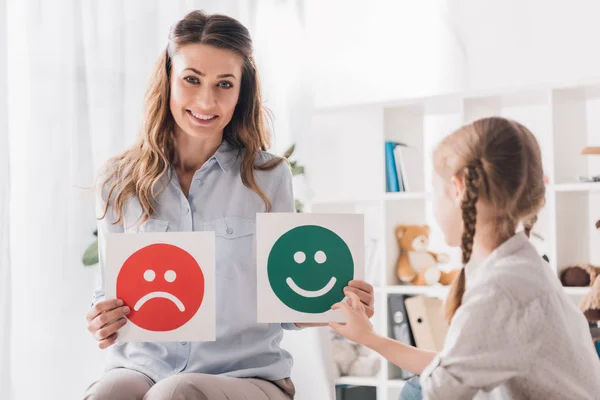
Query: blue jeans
x,y
411,390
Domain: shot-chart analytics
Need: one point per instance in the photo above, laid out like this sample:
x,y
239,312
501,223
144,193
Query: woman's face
x,y
205,87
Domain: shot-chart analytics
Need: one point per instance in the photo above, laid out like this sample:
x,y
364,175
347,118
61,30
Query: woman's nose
x,y
206,98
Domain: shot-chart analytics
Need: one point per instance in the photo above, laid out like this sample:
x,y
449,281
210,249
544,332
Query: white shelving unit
x,y
348,143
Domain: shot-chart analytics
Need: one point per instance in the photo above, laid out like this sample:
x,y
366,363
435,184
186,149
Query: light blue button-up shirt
x,y
217,201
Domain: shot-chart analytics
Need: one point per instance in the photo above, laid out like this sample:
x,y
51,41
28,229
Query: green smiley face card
x,y
304,262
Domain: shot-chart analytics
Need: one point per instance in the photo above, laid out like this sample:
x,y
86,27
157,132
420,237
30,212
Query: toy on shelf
x,y
590,151
352,359
416,264
590,304
579,275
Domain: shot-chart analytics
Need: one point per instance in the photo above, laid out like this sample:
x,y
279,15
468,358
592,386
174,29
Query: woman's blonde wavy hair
x,y
500,163
136,172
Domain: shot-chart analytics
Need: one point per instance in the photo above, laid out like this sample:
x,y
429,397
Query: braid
x,y
474,178
469,209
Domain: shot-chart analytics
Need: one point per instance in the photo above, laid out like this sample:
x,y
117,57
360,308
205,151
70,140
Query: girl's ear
x,y
457,189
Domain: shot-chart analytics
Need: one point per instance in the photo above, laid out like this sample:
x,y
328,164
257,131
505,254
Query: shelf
x,y
333,201
577,187
417,290
577,291
405,195
395,383
443,290
358,381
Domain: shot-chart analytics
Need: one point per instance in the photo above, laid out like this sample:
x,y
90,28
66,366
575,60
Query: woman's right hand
x,y
105,318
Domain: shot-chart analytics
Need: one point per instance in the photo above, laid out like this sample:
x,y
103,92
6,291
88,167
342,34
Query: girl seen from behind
x,y
514,333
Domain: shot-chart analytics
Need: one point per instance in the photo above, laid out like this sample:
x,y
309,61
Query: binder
x,y
400,325
347,392
429,327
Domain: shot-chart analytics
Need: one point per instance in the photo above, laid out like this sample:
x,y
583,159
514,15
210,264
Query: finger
x,y
364,297
370,311
108,330
109,341
101,306
345,308
355,300
108,317
337,327
361,285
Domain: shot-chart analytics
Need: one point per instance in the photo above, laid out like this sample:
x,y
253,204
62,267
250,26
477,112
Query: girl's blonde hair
x,y
136,172
500,163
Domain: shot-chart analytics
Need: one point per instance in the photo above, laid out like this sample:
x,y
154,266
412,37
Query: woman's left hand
x,y
363,290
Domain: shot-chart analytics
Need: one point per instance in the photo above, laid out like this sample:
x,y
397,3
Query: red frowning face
x,y
163,285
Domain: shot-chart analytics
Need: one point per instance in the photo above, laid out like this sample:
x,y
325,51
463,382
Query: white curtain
x,y
5,286
79,70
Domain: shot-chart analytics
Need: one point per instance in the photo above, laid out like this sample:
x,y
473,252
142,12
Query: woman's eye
x,y
225,85
191,79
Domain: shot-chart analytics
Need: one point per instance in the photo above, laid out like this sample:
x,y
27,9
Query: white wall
x,y
378,50
521,42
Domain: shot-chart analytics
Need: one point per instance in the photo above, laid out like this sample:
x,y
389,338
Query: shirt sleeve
x,y
105,226
489,341
283,202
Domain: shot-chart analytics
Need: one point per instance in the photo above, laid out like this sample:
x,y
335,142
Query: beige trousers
x,y
127,384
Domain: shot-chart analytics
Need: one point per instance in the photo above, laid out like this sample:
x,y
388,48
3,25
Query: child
x,y
513,331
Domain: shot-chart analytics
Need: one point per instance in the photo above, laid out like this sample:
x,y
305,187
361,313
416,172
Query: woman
x,y
200,164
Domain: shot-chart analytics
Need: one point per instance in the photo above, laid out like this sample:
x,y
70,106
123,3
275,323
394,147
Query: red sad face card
x,y
167,280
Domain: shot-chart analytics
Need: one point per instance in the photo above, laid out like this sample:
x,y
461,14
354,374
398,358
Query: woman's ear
x,y
457,189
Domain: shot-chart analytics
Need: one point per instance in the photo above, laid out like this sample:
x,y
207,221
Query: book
x,y
404,171
391,173
412,167
400,166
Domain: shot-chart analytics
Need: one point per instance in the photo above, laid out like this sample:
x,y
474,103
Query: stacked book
x,y
401,165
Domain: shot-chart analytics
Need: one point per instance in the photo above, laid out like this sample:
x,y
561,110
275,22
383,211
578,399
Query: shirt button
x,y
187,210
229,231
199,182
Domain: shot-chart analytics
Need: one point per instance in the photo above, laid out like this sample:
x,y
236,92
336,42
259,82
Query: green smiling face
x,y
308,268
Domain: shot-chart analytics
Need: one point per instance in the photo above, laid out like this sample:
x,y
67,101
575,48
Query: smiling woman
x,y
200,164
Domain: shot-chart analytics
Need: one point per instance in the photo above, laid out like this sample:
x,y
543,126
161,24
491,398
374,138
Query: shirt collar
x,y
225,155
511,246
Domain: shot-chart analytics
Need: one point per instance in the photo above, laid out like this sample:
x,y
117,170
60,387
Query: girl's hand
x,y
105,318
364,291
357,327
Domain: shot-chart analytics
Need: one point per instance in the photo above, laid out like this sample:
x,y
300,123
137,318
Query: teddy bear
x,y
590,304
352,359
416,264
